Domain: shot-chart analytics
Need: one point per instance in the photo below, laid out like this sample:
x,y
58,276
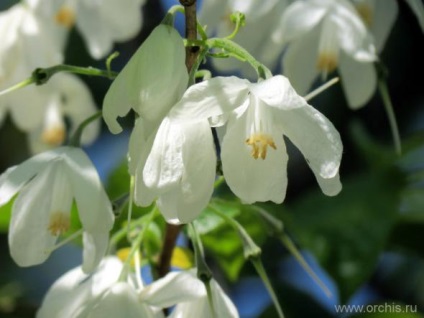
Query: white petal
x,y
137,145
298,19
300,62
211,13
15,178
418,8
121,301
353,35
223,306
359,81
329,186
139,150
277,92
27,106
118,23
67,296
172,289
253,179
30,241
164,165
151,93
95,247
94,208
315,136
384,17
211,98
184,202
78,105
75,292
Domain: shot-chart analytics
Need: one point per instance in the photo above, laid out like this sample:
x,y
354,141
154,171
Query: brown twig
x,y
172,231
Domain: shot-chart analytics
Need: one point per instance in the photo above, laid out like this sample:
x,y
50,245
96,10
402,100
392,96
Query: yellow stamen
x,y
327,62
59,223
65,17
259,143
53,136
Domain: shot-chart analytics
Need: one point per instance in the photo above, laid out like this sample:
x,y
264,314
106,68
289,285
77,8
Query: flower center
x,y
59,223
328,50
65,17
54,130
259,143
54,136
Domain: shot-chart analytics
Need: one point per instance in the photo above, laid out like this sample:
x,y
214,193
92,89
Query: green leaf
x,y
224,244
118,182
208,220
348,232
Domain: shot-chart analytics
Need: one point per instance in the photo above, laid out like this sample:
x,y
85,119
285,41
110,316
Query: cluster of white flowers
x,y
172,153
34,34
316,36
103,295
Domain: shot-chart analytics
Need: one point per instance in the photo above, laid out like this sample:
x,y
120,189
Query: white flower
x,y
64,97
324,35
28,42
101,295
152,81
260,15
117,20
222,305
253,153
177,165
46,186
380,16
172,162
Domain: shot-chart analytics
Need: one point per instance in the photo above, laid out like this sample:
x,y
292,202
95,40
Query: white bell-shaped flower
x,y
28,42
151,82
222,306
45,187
253,152
323,35
101,295
118,20
65,97
261,16
164,155
176,165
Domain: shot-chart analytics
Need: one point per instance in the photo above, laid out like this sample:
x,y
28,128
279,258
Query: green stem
x,y
20,85
196,65
250,249
76,138
170,15
203,271
135,246
42,75
257,263
240,53
276,228
220,180
385,96
238,18
252,252
109,60
288,243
